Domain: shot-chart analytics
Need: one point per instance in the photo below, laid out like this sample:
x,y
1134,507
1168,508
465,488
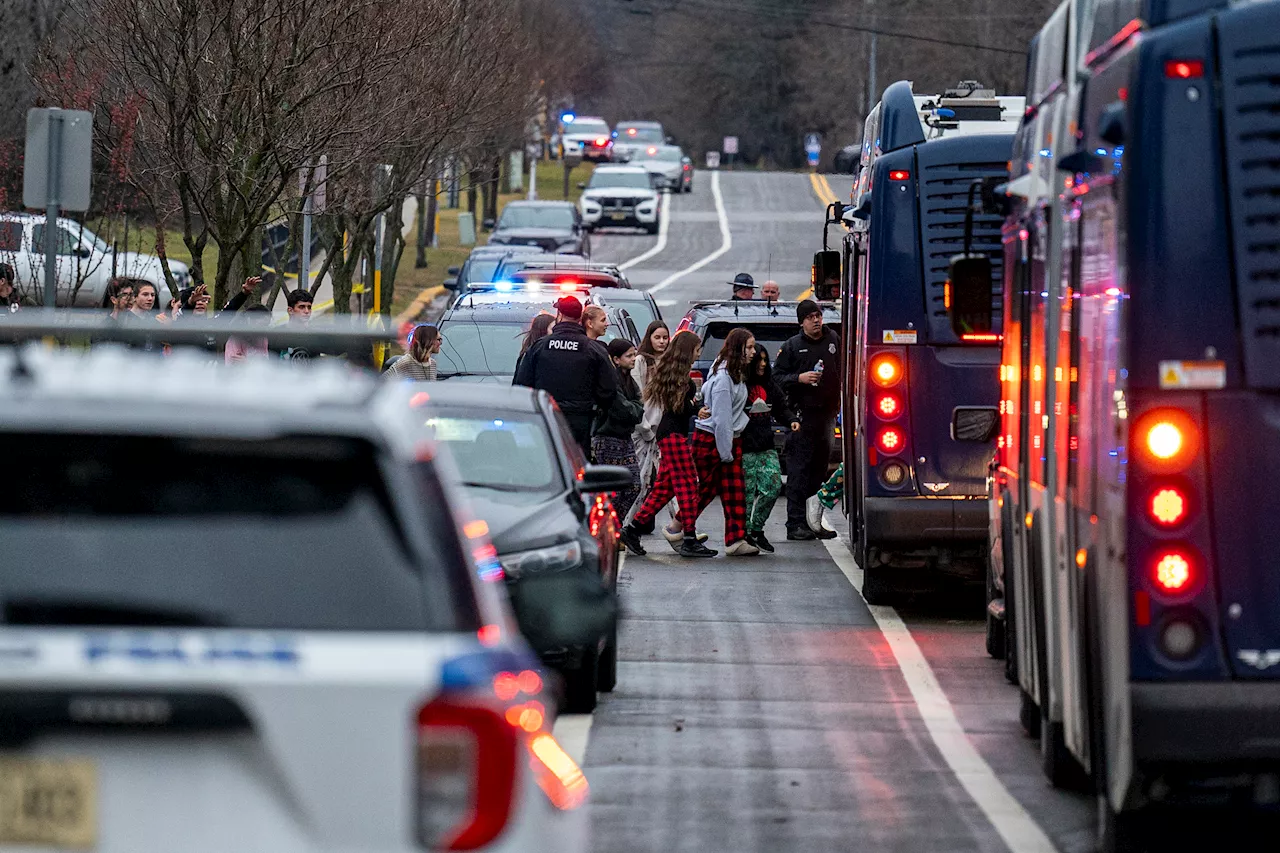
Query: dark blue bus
x,y
921,400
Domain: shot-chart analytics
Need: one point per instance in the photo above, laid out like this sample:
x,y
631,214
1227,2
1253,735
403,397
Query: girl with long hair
x,y
417,363
717,440
762,473
653,345
539,328
673,393
611,437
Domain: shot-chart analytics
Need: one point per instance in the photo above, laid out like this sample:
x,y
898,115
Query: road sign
x,y
58,159
731,145
812,143
713,159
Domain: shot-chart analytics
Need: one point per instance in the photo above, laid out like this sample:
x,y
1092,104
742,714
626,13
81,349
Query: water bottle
x,y
817,368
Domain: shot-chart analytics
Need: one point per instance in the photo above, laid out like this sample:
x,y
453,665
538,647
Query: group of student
x,y
638,407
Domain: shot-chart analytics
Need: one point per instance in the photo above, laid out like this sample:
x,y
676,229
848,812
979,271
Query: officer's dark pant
x,y
580,426
808,454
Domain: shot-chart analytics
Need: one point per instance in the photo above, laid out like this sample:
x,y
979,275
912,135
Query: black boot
x,y
800,534
630,537
691,547
759,540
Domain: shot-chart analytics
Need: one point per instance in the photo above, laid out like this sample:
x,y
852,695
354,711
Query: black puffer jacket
x,y
758,436
626,412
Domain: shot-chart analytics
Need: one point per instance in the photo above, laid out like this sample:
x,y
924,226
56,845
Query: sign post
x,y
731,148
312,203
59,157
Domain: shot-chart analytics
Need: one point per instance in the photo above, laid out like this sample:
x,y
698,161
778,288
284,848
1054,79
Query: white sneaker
x,y
813,513
741,548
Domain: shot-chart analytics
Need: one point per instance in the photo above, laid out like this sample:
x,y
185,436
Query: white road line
x,y
664,223
725,245
1011,821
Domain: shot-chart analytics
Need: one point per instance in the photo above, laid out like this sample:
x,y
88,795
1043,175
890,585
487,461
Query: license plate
x,y
48,802
617,216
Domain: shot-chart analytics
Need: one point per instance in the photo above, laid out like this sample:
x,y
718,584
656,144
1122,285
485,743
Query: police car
x,y
238,614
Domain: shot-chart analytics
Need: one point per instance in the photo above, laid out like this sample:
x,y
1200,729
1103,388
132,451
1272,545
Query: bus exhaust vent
x,y
1250,55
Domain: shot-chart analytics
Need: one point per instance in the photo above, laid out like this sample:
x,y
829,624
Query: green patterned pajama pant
x,y
764,481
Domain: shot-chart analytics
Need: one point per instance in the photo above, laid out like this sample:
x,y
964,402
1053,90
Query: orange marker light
x,y
1168,507
886,370
1167,440
476,529
1082,557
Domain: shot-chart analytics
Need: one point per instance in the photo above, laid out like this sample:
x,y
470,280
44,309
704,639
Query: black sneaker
x,y
759,540
648,527
800,534
691,547
825,533
630,537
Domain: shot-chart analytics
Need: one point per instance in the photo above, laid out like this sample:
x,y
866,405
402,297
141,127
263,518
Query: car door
x,y
71,268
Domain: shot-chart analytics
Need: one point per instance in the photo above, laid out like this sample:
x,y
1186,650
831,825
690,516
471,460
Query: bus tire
x,y
996,643
1010,605
1121,832
876,586
1059,765
1029,714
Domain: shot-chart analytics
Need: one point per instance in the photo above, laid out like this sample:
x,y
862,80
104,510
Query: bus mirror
x,y
994,199
969,297
826,275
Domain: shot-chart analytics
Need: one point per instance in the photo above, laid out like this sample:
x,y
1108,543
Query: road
x,y
760,704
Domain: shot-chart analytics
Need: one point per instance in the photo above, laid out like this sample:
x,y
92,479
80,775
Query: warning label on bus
x,y
1195,375
899,336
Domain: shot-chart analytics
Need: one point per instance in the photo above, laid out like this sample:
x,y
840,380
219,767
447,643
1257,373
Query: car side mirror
x,y
603,478
83,252
581,186
454,270
994,199
450,284
969,289
826,275
671,140
487,224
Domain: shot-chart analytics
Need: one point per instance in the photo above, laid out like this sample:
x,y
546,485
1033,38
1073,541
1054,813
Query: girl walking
x,y
761,470
717,440
672,392
611,439
654,344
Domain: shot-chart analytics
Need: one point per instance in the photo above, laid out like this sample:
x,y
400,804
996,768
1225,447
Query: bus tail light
x,y
1167,440
899,175
893,474
888,406
1180,638
1184,69
886,370
1168,506
891,441
1174,571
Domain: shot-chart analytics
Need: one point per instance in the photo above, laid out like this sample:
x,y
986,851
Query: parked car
x,y
588,136
620,196
632,137
547,511
771,323
84,266
848,159
288,636
483,331
552,226
485,264
665,163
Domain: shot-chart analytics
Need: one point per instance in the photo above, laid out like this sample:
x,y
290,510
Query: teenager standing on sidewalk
x,y
717,443
766,404
611,439
673,393
654,344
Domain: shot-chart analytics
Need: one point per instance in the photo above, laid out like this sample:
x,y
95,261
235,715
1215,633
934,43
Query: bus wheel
x,y
1122,832
1060,766
995,627
876,585
1029,715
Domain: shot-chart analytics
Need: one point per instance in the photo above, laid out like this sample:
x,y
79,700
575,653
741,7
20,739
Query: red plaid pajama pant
x,y
724,479
677,478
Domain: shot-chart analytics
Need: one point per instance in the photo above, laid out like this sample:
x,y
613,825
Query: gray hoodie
x,y
727,401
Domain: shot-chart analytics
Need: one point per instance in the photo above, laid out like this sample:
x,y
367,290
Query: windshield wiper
x,y
59,611
496,487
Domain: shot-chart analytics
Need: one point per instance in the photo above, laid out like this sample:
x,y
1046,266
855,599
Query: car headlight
x,y
556,558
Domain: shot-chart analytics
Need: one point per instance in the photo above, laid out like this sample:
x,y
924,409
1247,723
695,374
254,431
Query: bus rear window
x,y
289,534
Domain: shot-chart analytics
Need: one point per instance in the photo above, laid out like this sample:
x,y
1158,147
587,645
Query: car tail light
x,y
1174,571
1168,506
467,755
601,142
886,370
687,167
1167,440
891,441
1184,69
888,406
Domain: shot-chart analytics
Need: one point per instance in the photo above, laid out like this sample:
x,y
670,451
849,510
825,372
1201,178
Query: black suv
x,y
552,226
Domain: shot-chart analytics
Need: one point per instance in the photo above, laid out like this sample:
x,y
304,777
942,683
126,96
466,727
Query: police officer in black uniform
x,y
573,369
744,287
809,370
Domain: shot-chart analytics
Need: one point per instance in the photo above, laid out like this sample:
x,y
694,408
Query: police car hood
x,y
522,521
532,233
619,192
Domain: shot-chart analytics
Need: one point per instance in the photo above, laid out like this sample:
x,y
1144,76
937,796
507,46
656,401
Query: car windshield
x,y
497,450
522,216
296,533
581,126
642,311
770,335
640,134
479,348
480,269
604,179
665,155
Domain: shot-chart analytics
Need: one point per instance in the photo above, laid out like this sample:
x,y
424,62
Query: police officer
x,y
573,369
809,370
744,287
